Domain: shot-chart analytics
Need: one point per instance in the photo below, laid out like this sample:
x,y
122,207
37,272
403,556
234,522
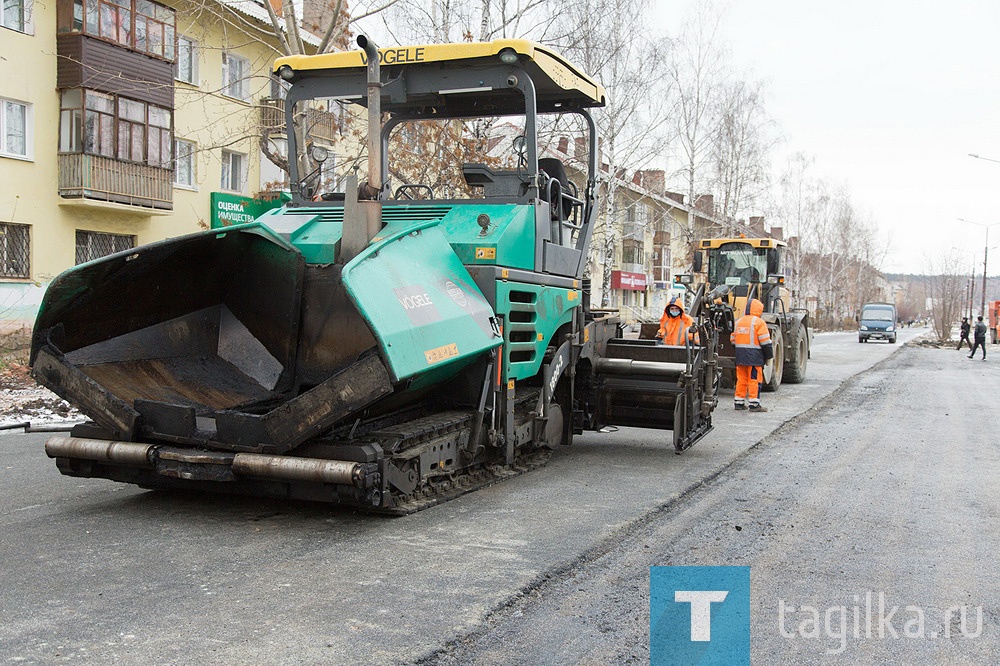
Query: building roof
x,y
255,9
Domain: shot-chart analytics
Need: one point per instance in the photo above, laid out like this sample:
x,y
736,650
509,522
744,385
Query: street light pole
x,y
980,157
987,250
986,253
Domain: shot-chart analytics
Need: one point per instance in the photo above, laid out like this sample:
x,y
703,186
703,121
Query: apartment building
x,y
124,122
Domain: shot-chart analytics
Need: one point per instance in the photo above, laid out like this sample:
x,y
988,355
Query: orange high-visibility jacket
x,y
751,337
672,329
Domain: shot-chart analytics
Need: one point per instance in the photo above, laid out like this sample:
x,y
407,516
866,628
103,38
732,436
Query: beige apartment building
x,y
124,122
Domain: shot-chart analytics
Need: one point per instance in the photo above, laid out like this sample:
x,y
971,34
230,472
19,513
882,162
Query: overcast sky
x,y
889,97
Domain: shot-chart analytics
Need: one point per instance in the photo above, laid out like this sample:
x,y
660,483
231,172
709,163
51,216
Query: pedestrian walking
x,y
980,337
753,349
965,333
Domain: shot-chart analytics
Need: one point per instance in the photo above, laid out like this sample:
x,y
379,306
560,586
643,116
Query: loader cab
x,y
749,267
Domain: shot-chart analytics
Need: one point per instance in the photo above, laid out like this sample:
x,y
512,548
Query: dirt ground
x,y
21,399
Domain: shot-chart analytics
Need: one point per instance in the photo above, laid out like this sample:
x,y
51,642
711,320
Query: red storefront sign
x,y
628,281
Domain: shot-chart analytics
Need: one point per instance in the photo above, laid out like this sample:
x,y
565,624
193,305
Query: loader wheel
x,y
774,368
798,358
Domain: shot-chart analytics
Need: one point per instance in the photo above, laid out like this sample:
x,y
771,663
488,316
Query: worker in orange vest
x,y
753,348
675,323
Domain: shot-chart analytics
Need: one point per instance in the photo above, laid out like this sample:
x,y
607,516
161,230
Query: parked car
x,y
877,322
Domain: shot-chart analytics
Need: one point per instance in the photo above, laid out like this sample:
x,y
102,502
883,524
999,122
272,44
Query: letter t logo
x,y
701,610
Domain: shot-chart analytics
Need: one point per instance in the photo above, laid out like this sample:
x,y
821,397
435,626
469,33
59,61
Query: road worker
x,y
753,349
675,323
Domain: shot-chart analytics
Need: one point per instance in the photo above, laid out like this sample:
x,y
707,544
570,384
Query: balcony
x,y
630,267
83,176
634,230
320,125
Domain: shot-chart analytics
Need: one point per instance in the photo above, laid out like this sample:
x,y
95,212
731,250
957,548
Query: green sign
x,y
230,209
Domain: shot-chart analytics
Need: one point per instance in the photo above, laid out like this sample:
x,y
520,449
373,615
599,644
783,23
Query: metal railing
x,y
319,125
106,179
15,250
632,314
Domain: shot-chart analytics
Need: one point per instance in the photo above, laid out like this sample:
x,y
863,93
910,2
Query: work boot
x,y
740,406
758,408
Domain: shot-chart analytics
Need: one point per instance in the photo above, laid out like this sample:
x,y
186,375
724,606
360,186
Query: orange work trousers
x,y
748,381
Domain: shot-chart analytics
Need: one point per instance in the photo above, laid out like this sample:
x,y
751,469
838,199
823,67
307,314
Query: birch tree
x,y
439,21
696,71
740,159
945,288
607,38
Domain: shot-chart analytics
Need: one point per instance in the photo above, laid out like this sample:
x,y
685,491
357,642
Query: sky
x,y
889,97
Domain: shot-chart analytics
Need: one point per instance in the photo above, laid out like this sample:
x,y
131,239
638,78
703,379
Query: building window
x,y
234,76
15,129
661,263
632,252
131,130
187,61
233,171
159,146
279,87
91,245
15,255
16,15
184,163
140,25
112,126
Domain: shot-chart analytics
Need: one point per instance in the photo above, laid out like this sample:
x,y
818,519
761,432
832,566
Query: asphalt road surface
x,y
874,475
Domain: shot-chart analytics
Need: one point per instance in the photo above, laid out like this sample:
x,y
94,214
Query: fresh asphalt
x,y
875,512
98,572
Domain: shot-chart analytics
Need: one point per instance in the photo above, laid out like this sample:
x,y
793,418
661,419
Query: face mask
x,y
674,312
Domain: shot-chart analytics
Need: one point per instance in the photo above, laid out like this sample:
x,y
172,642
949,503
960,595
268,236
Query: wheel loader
x,y
367,347
743,268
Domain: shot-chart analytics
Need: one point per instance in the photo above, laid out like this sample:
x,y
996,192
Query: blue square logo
x,y
699,615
